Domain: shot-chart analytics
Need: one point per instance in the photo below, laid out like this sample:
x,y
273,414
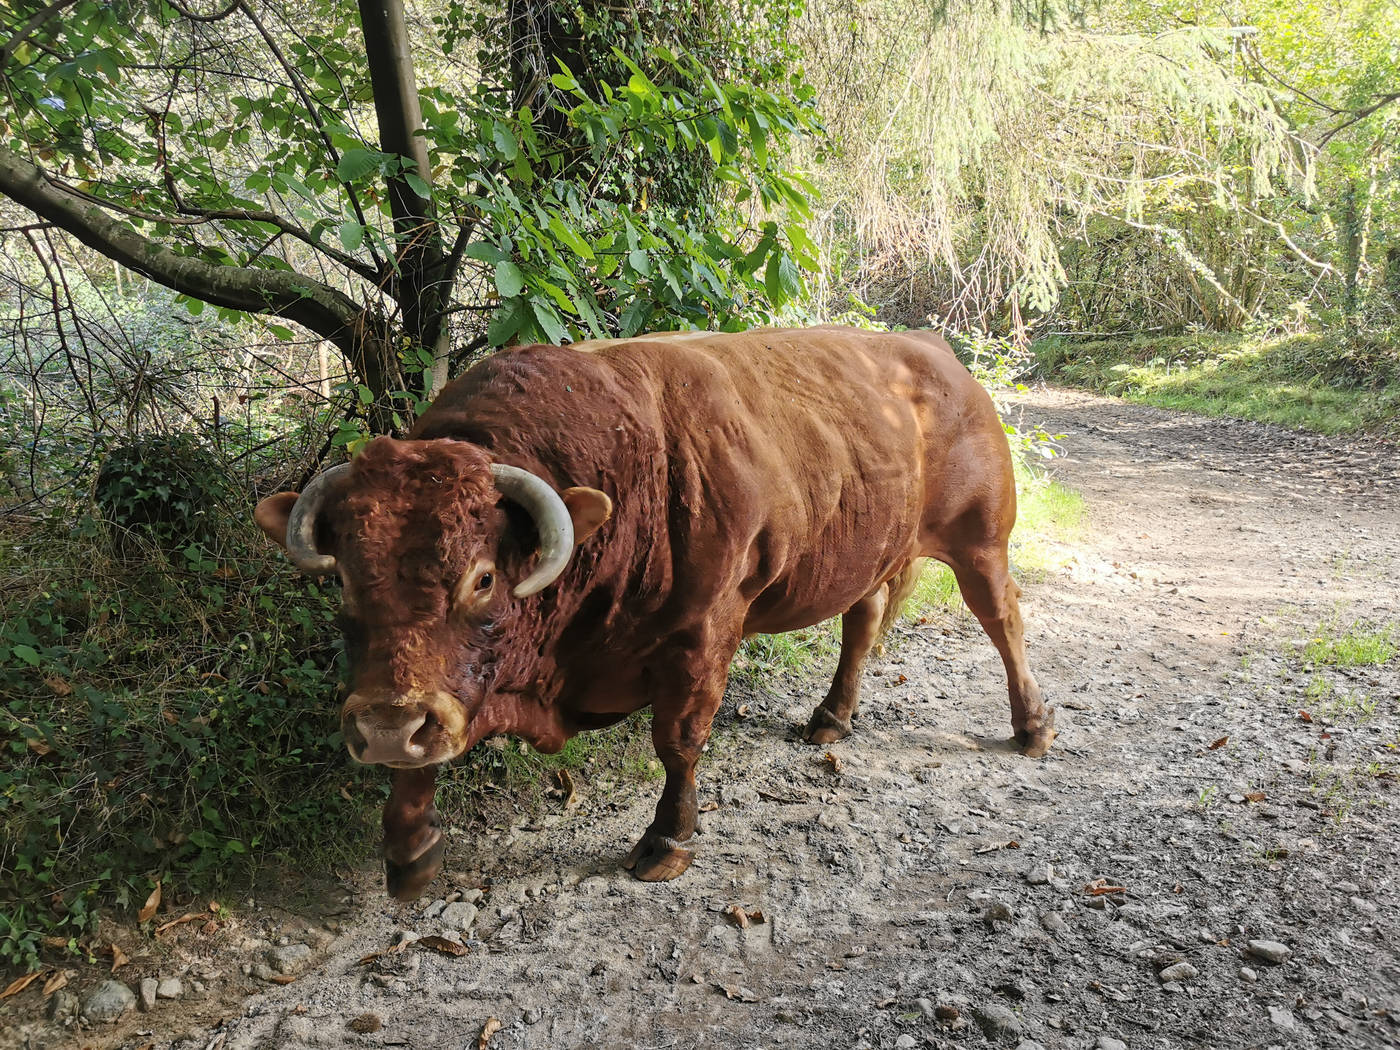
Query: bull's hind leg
x,y
860,630
989,591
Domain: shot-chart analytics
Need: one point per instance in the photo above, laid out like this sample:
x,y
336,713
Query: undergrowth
x,y
1329,383
164,716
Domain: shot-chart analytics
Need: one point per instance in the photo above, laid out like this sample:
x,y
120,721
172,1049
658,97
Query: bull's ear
x,y
588,507
272,513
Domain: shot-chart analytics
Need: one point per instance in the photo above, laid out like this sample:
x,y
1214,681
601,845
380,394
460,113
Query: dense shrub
x,y
169,717
167,487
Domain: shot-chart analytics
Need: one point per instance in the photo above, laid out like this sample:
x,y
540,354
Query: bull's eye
x,y
485,582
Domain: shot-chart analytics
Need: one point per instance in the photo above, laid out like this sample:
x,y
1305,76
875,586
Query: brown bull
x,y
571,534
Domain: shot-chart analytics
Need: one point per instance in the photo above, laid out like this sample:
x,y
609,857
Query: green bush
x,y
170,718
168,487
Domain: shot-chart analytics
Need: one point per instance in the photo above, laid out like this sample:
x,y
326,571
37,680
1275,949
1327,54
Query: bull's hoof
x,y
1036,742
825,728
407,880
656,858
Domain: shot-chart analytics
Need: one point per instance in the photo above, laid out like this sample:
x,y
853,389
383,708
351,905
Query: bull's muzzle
x,y
404,731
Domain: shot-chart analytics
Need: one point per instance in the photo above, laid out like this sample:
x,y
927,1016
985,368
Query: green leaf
x,y
356,164
566,233
418,184
509,280
484,252
554,328
506,321
27,653
505,140
352,235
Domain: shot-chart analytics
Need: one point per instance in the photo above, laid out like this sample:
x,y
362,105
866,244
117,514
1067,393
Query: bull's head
x,y
438,550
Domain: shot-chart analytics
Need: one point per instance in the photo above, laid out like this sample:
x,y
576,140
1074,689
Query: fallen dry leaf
x,y
19,985
189,916
56,981
59,685
737,916
118,957
1100,887
566,785
1305,716
490,1028
736,993
709,807
214,906
148,909
443,945
1256,796
364,959
38,746
1219,744
835,761
744,711
282,978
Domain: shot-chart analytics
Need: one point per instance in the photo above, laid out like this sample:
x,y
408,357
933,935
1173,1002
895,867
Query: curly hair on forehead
x,y
412,503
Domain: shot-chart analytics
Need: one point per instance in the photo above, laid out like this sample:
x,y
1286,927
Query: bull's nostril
x,y
423,735
355,741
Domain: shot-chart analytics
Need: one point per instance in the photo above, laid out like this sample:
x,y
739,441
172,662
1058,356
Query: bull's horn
x,y
301,523
552,522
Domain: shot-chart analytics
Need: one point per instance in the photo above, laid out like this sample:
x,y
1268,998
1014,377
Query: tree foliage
x,y
264,160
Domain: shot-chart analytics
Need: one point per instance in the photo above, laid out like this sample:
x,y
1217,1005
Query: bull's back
x,y
811,457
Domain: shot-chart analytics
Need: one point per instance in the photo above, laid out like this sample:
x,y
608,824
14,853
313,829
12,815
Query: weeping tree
x,y
413,185
986,142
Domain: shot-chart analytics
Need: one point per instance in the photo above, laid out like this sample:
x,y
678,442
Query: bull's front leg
x,y
413,842
679,729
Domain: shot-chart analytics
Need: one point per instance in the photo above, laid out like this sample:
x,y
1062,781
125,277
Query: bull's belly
x,y
817,592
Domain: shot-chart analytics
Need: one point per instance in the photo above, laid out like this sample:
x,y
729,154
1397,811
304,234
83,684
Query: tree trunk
x,y
422,279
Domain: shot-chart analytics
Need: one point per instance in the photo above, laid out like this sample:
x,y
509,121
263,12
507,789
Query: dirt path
x,y
933,891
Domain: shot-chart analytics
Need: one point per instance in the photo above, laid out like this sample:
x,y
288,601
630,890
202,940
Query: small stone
x,y
147,1001
1269,951
459,915
198,987
997,911
432,911
63,1006
998,1023
946,1012
365,1023
403,938
1282,1016
170,988
1052,923
108,1001
1182,971
906,1042
1039,875
1248,975
289,958
1029,1044
262,971
925,1007
1107,1042
532,1015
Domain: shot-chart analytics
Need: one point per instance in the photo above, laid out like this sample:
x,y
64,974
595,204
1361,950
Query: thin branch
x,y
25,31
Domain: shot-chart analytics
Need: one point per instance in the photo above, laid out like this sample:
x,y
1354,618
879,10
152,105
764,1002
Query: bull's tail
x,y
900,585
